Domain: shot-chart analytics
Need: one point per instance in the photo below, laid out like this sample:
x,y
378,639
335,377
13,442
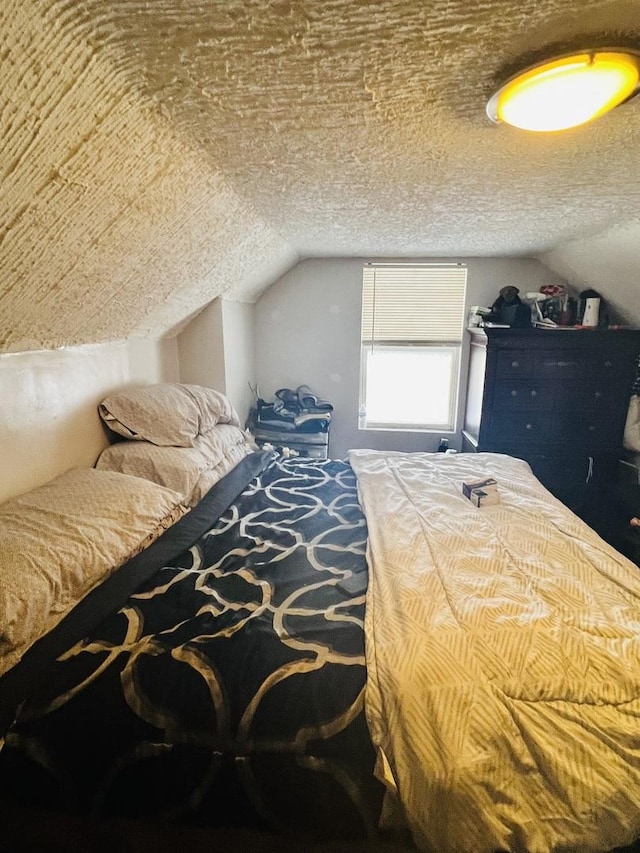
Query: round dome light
x,y
567,91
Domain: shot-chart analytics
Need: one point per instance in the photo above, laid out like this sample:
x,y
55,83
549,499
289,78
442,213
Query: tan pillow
x,y
214,407
216,442
168,414
211,476
176,468
61,540
190,471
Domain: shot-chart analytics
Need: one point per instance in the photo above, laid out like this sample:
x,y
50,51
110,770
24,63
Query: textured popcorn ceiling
x,y
156,155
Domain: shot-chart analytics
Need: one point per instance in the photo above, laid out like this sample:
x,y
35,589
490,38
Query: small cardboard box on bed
x,y
482,492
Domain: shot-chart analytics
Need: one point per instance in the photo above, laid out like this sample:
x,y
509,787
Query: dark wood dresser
x,y
555,397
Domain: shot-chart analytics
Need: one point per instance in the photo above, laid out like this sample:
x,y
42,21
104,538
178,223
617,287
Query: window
x,y
412,323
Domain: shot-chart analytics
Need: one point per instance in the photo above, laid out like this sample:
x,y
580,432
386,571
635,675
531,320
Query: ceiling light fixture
x,y
568,90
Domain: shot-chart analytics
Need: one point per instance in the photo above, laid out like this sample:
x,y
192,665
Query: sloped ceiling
x,y
156,155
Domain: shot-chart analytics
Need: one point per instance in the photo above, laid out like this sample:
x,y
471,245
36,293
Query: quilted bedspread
x,y
503,657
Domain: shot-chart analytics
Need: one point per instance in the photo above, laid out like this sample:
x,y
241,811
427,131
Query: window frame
x,y
453,347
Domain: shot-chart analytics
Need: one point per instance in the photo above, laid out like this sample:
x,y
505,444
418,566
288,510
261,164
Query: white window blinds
x,y
411,303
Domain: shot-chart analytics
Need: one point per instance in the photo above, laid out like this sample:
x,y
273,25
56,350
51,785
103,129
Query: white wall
x,y
239,355
308,331
216,349
607,262
201,349
49,418
153,361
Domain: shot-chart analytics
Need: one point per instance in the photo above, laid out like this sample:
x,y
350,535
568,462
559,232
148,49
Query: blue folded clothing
x,y
308,400
287,399
300,410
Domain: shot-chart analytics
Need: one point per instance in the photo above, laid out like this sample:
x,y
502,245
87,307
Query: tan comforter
x,y
503,654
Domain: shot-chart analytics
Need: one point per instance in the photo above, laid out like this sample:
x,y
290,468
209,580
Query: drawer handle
x,y
514,393
529,426
607,364
598,394
591,428
534,393
515,364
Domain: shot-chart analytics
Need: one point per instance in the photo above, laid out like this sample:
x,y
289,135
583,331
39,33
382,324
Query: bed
x,y
327,649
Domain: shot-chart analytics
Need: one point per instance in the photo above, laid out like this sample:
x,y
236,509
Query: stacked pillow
x,y
168,414
63,539
184,437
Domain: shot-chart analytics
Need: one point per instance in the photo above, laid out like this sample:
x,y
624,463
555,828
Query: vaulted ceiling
x,y
156,155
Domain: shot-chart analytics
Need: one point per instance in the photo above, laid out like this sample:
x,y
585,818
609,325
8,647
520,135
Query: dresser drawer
x,y
561,365
585,429
607,366
585,432
582,365
573,397
556,364
561,470
515,428
598,397
524,395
